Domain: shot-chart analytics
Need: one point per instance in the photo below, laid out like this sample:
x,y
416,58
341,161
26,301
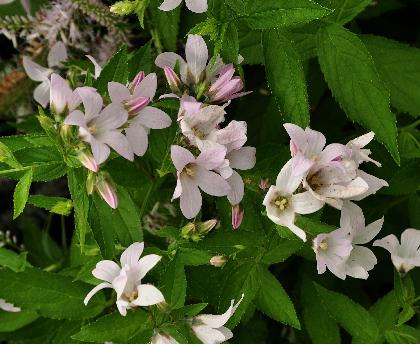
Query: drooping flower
x,y
210,328
282,204
195,174
163,338
197,6
36,72
361,259
100,127
332,251
404,256
142,117
126,279
8,307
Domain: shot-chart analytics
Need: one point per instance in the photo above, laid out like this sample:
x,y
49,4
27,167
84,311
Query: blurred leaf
x,y
12,260
403,335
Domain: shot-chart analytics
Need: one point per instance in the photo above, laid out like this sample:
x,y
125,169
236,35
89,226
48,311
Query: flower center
x,y
314,181
189,170
198,133
281,202
132,296
323,245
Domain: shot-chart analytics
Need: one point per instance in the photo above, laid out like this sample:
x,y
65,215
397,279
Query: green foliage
x,y
20,197
12,260
174,283
56,205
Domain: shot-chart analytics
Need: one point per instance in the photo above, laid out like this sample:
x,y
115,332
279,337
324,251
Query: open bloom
x,y
100,128
142,117
361,259
197,6
126,279
404,256
8,307
282,205
332,251
210,328
163,338
195,174
36,72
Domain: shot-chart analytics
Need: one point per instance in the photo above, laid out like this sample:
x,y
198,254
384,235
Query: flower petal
x,y
389,243
60,93
287,182
236,192
106,270
42,93
92,102
306,203
98,68
35,71
181,157
147,87
137,137
148,295
95,290
147,263
117,141
197,6
360,261
190,199
197,55
100,150
169,5
118,92
242,158
57,54
208,335
410,241
132,254
112,117
153,118
210,182
212,157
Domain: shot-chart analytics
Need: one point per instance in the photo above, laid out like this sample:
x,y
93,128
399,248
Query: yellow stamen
x,y
323,245
281,202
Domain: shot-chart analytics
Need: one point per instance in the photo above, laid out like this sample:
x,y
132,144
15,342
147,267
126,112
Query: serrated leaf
x,y
344,10
10,321
56,205
114,327
115,70
351,316
354,81
194,257
286,77
273,300
405,180
398,65
141,60
12,260
174,283
280,249
7,156
51,295
385,312
21,193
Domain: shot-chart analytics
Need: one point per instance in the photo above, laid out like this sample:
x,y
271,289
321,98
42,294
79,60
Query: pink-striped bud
x,y
173,79
136,104
107,191
264,184
237,216
136,81
218,261
87,160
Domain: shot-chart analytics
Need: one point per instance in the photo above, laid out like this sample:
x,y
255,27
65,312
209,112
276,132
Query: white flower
x,y
331,251
358,152
197,6
404,256
8,307
282,205
163,338
210,328
361,259
126,279
41,74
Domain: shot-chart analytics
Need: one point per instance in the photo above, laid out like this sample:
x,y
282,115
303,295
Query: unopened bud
x,y
136,81
107,191
90,183
187,230
264,184
207,226
136,104
237,216
122,7
218,261
87,160
173,79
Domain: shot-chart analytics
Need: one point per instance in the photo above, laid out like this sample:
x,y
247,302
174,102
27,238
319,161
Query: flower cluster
x,y
205,89
317,175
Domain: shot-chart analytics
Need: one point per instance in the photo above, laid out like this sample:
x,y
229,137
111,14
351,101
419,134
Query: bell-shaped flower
x,y
361,259
135,99
332,251
282,204
163,338
8,307
100,127
36,72
197,6
404,256
126,279
210,328
62,97
195,174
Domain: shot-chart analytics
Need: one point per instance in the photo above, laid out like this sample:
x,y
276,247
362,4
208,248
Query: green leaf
x,y
271,14
398,65
351,316
354,81
344,10
385,312
280,249
12,260
7,156
174,283
273,300
76,181
51,295
56,205
194,257
321,328
406,314
13,321
166,25
190,310
141,60
21,193
405,180
114,327
403,335
115,70
286,77
404,289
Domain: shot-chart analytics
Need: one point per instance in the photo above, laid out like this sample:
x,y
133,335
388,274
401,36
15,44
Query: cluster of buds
x,y
197,231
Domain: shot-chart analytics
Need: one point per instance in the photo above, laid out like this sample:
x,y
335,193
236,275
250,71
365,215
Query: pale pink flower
x,y
126,279
142,117
100,127
237,216
195,174
282,205
36,72
361,259
62,98
404,256
8,307
332,251
210,328
197,6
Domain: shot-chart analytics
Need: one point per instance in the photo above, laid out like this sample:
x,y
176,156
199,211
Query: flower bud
x,y
136,104
90,183
87,160
187,230
107,191
218,261
122,7
264,184
237,216
205,227
173,79
136,81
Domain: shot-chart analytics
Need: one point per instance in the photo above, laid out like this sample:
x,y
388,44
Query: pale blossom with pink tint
x,y
197,6
282,204
101,127
87,160
195,174
405,255
135,99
